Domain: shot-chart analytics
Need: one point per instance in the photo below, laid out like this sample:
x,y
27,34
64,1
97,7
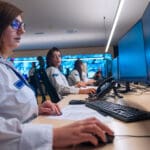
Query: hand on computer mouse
x,y
109,139
80,132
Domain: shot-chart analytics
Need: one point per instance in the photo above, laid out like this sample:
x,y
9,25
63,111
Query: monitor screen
x,y
146,31
115,69
132,59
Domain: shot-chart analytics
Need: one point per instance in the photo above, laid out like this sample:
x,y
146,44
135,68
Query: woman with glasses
x,y
18,103
59,81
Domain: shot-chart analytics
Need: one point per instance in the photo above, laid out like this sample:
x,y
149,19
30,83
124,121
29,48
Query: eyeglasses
x,y
17,24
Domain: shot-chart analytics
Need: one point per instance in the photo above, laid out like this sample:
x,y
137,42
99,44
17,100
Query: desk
x,y
126,142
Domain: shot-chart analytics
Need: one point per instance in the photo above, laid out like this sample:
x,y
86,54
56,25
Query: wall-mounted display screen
x,y
93,63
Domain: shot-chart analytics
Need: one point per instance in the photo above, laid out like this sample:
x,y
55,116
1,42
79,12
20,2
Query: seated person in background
x,y
32,79
78,77
59,81
18,104
98,75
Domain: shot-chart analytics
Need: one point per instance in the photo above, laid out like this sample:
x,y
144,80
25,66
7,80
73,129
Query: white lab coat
x,y
74,77
60,82
17,107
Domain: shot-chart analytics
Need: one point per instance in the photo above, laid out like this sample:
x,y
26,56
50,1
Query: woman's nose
x,y
21,30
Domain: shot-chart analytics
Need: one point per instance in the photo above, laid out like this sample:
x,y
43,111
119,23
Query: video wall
x,y
93,63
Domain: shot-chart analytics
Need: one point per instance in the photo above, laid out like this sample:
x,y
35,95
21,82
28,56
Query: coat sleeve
x,y
84,76
60,82
17,136
73,78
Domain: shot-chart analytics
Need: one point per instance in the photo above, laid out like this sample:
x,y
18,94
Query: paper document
x,y
78,112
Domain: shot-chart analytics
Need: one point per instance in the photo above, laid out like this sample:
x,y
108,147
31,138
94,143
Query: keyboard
x,y
121,112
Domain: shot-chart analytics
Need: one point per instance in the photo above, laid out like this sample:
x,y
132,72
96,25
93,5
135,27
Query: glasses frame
x,y
16,24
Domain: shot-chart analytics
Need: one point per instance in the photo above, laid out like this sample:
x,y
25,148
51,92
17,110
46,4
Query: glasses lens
x,y
17,25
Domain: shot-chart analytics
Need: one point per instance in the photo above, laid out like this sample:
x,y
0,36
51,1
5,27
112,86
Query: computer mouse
x,y
109,139
77,102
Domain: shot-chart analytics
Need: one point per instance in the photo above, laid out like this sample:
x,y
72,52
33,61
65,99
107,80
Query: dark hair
x,y
77,65
49,56
8,12
41,62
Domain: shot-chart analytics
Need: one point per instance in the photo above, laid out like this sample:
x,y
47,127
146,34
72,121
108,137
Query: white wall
x,y
69,51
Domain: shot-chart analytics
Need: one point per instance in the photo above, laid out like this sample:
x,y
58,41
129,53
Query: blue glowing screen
x,y
146,30
132,60
115,68
93,62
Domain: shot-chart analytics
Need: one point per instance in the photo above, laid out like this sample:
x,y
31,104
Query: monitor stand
x,y
127,88
116,93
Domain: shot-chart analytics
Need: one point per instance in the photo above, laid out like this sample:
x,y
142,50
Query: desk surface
x,y
126,133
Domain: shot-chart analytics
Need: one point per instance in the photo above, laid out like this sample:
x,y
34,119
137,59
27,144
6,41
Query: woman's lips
x,y
18,39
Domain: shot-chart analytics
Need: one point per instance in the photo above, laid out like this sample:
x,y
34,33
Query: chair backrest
x,y
49,87
39,86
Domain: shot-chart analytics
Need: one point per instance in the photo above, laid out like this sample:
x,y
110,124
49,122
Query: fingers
x,y
80,132
94,129
91,91
104,127
44,111
88,132
81,84
57,110
91,127
87,91
49,111
49,108
86,137
68,136
100,127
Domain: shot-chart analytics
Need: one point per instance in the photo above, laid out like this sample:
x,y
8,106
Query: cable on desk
x,y
137,136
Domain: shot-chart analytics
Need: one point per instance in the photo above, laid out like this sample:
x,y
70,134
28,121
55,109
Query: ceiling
x,y
75,23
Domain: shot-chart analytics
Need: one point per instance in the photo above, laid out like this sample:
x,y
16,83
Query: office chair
x,y
49,87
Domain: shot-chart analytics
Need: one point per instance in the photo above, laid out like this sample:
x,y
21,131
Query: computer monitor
x,y
115,69
132,59
146,31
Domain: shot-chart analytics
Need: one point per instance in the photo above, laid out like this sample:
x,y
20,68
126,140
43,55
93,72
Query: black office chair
x,y
49,87
38,85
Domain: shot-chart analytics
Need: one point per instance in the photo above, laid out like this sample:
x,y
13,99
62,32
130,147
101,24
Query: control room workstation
x,y
122,99
75,76
128,135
